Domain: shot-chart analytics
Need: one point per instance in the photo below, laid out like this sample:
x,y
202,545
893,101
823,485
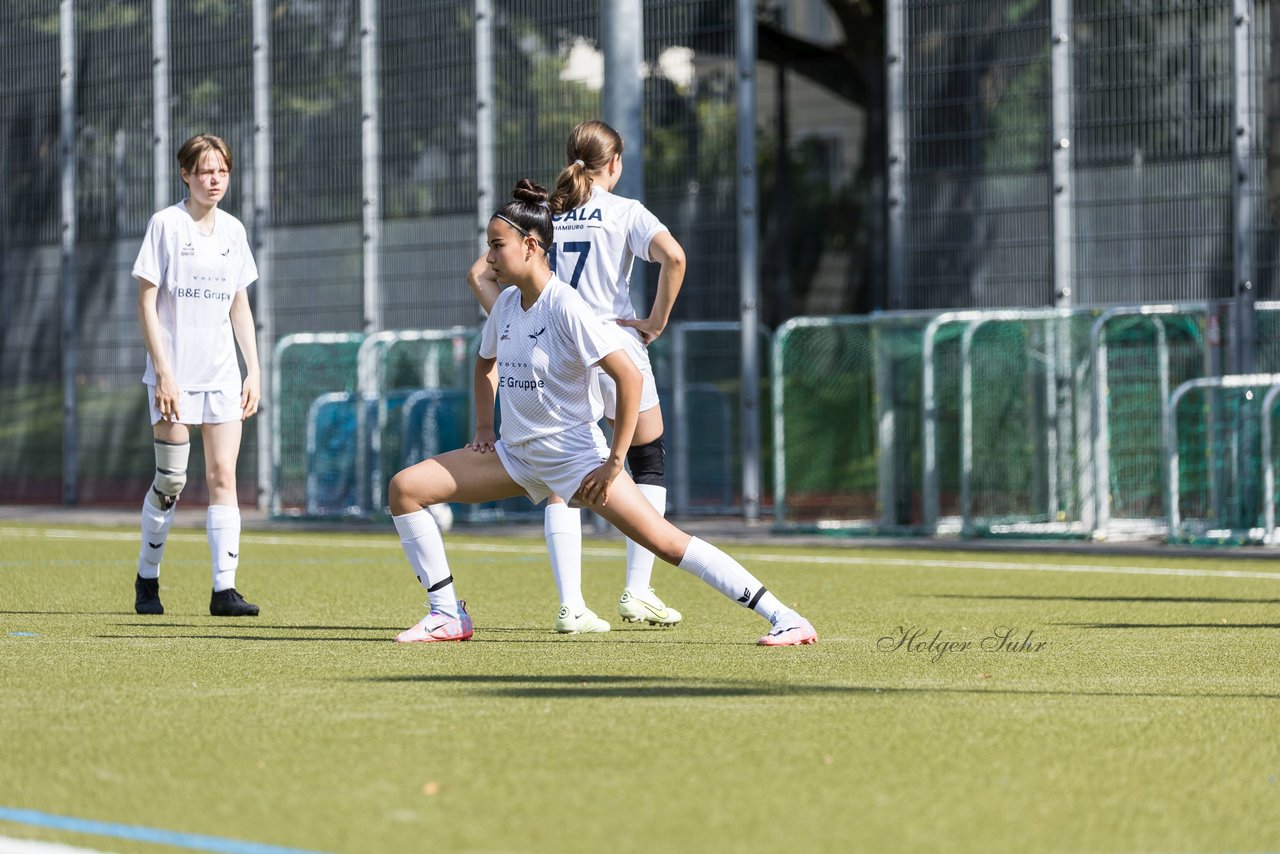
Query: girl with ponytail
x,y
541,349
598,236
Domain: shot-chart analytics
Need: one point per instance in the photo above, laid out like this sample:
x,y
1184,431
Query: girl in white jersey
x,y
598,236
193,271
539,349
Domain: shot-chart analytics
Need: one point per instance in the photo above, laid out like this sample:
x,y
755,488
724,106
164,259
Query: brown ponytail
x,y
590,147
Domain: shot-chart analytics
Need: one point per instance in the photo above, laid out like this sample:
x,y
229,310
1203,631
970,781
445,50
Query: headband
x,y
522,230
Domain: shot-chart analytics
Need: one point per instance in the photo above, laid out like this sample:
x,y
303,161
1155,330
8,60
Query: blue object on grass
x,y
137,833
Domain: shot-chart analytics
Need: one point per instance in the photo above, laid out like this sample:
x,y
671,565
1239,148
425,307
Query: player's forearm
x,y
669,284
486,388
624,427
152,338
246,335
667,252
154,342
483,284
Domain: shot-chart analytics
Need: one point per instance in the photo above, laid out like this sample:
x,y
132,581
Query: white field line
x,y
390,543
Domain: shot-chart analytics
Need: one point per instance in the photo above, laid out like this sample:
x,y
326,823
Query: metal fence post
x,y
261,238
1062,95
622,40
484,118
1063,224
69,295
1244,195
162,181
748,271
371,226
896,123
1243,189
371,173
622,37
895,71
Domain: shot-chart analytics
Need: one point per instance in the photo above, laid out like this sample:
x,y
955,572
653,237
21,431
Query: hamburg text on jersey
x,y
595,247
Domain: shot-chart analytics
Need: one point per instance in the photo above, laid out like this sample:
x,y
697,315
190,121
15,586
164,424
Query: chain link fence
x,y
314,98
1155,115
1072,154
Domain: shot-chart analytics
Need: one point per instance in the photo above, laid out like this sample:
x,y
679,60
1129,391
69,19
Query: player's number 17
x,y
582,248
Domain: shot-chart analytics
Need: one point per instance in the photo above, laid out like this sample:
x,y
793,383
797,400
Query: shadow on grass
x,y
1189,599
389,633
306,638
121,613
160,624
601,686
250,623
614,637
1171,625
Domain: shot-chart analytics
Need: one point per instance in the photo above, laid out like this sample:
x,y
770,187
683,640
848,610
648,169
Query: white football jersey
x,y
545,357
596,245
197,275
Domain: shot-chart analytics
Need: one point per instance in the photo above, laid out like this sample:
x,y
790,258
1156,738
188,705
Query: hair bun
x,y
530,193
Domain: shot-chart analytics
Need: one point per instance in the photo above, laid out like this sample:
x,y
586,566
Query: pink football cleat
x,y
439,627
790,629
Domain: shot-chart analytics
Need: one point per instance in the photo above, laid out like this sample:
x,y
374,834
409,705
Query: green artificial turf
x,y
1148,721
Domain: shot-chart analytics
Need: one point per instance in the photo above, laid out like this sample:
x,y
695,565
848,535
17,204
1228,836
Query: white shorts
x,y
556,463
607,390
200,407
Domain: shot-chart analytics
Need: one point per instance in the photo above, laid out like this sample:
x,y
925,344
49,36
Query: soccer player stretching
x,y
598,236
538,349
193,271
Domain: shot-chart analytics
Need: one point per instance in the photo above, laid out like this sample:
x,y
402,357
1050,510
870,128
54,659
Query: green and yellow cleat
x,y
584,622
646,607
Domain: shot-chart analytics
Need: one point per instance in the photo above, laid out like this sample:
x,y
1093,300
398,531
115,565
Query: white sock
x,y
423,546
730,578
562,527
223,527
156,522
640,559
